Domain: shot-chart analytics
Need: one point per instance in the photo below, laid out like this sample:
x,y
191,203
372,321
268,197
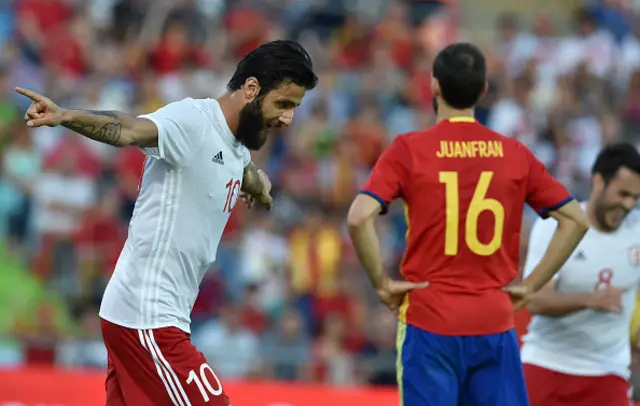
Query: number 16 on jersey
x,y
479,203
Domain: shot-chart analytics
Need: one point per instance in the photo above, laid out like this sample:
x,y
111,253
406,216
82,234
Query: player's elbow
x,y
362,212
583,224
573,216
356,219
359,219
578,225
581,221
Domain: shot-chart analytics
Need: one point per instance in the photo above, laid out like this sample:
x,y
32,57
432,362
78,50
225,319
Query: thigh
x,y
610,390
161,368
495,376
427,370
112,386
551,388
543,384
195,380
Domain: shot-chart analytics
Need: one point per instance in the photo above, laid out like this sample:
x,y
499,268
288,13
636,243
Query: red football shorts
x,y
158,367
551,388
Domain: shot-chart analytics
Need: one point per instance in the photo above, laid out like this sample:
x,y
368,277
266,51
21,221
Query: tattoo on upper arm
x,y
106,127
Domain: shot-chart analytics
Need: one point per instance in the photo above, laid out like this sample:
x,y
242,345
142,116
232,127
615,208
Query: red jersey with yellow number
x,y
465,187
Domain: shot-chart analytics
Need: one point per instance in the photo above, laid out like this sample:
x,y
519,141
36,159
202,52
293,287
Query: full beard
x,y
251,126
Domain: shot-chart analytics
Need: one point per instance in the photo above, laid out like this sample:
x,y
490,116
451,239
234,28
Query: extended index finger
x,y
30,94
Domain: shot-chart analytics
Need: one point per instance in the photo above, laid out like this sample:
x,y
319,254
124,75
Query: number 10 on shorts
x,y
202,382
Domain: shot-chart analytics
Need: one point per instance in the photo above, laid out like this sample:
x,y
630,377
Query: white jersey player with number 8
x,y
577,351
198,164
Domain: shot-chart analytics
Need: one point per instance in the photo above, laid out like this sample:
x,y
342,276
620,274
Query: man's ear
x,y
435,87
250,89
485,89
597,183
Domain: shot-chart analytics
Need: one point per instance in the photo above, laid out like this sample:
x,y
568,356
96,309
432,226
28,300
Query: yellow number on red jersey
x,y
479,203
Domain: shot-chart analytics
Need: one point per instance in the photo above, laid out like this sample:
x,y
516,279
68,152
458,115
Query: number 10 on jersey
x,y
233,188
479,203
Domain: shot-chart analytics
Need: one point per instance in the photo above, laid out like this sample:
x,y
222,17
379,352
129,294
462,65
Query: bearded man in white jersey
x,y
197,165
577,351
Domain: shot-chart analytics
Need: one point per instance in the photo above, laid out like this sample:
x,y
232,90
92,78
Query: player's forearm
x,y
565,239
110,127
553,304
367,246
251,181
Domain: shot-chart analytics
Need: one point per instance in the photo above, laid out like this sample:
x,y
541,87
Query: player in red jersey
x,y
465,187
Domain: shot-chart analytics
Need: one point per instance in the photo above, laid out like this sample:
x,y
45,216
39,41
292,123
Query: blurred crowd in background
x,y
286,299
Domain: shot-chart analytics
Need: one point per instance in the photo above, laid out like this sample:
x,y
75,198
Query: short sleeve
x,y
541,234
181,128
390,174
544,193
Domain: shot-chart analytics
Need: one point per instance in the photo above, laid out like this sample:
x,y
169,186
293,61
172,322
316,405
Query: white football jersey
x,y
587,342
190,185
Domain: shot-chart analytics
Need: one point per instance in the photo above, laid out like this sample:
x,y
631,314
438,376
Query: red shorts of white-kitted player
x,y
159,367
551,388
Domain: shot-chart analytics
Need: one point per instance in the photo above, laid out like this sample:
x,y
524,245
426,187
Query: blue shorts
x,y
436,370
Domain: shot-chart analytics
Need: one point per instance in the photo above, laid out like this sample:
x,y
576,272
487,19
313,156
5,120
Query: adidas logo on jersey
x,y
580,255
218,158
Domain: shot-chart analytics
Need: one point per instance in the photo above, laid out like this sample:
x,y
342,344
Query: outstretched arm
x,y
111,127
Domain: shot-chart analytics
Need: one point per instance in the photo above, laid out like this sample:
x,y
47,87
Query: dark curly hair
x,y
273,64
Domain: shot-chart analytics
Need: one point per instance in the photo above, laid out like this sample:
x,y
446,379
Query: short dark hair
x,y
273,64
461,71
615,156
